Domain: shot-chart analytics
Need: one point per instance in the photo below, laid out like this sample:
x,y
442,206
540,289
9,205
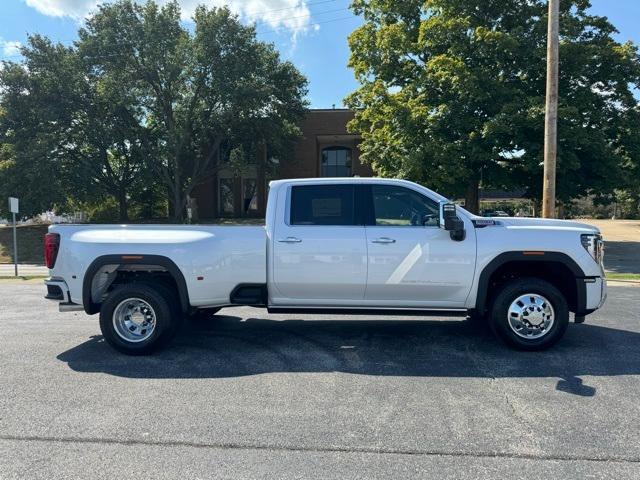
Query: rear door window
x,y
322,205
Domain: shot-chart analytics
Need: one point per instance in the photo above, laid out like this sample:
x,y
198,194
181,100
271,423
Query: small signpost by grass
x,y
13,208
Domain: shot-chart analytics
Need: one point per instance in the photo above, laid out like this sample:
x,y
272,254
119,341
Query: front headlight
x,y
592,242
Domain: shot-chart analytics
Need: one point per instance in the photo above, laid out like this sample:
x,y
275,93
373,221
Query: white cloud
x,y
63,8
292,15
10,48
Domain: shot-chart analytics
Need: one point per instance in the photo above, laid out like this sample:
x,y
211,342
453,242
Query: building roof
x,y
326,110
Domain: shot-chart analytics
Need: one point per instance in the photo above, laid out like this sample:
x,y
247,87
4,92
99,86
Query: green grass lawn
x,y
30,244
623,276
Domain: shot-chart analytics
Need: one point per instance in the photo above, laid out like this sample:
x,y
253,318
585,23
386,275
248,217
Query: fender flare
x,y
132,259
520,256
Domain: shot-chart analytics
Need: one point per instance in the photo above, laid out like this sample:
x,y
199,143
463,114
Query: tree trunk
x,y
123,208
178,210
169,197
178,205
472,197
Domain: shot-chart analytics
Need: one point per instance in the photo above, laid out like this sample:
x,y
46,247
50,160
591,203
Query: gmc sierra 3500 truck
x,y
343,245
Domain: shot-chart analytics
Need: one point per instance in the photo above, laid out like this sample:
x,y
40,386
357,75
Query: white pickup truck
x,y
333,245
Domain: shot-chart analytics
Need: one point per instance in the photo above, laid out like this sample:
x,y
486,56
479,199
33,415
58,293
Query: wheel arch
x,y
556,267
91,307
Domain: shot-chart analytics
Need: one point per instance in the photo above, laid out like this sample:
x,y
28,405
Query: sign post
x,y
13,208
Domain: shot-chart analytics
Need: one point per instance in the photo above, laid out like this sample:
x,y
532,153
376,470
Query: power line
x,y
267,30
266,12
262,22
277,30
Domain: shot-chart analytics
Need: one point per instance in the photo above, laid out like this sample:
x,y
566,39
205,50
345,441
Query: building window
x,y
336,162
226,196
250,195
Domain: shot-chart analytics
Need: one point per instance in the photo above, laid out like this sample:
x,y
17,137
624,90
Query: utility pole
x,y
551,113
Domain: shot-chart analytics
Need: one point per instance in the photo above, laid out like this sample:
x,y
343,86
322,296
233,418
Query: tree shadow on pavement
x,y
229,346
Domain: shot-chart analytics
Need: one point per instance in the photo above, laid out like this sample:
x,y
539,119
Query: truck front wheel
x,y
135,319
529,314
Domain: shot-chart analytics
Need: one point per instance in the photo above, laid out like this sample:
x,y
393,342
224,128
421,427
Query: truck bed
x,y
212,259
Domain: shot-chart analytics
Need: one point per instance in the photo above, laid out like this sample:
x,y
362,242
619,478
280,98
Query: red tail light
x,y
51,245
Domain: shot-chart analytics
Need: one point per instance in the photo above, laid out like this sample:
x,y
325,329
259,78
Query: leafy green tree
x,y
141,103
71,135
198,88
29,131
452,94
628,195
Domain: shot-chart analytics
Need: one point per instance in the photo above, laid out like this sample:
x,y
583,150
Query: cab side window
x,y
400,206
322,205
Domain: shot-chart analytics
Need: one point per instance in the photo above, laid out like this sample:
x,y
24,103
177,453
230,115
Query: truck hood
x,y
544,224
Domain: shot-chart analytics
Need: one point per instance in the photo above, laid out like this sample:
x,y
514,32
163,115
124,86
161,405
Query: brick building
x,y
325,149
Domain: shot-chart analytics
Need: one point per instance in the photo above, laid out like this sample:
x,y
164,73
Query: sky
x,y
310,33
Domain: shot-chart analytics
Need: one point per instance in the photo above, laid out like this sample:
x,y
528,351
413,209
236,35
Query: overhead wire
x,y
266,30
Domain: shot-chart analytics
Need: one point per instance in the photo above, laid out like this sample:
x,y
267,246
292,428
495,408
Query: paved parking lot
x,y
252,396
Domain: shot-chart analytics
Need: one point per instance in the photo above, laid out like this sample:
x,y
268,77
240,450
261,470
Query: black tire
x,y
509,293
177,318
167,317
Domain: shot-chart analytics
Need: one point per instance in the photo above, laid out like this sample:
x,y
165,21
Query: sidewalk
x,y
24,269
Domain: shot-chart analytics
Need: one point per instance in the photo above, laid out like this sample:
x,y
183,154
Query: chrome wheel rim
x,y
531,316
134,320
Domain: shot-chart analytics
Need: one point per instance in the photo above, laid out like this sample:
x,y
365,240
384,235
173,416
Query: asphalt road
x,y
251,396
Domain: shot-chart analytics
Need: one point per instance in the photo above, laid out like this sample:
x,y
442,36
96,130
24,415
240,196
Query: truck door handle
x,y
290,240
383,240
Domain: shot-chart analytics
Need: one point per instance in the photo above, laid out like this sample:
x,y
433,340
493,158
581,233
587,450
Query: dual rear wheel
x,y
137,318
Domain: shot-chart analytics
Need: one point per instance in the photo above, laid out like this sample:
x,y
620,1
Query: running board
x,y
371,311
